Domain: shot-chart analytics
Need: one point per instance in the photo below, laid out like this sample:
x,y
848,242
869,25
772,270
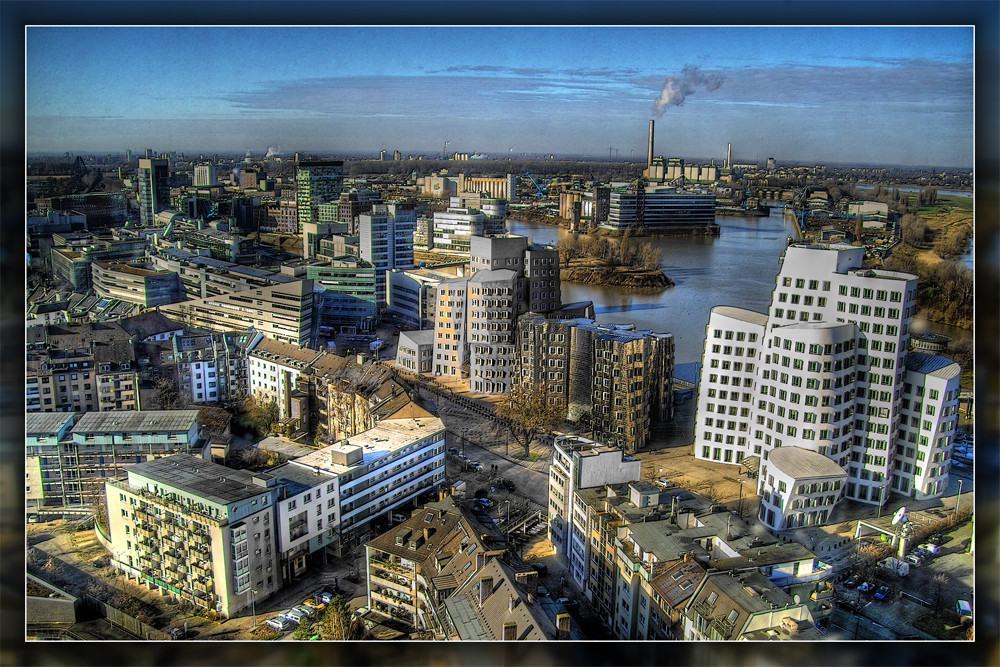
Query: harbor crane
x,y
542,190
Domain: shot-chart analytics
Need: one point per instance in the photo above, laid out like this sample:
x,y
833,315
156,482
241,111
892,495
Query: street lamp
x,y
508,514
253,605
959,501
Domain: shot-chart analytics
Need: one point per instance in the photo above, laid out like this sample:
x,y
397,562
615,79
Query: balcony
x,y
386,596
382,578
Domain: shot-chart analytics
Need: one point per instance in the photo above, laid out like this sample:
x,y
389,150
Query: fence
x,y
117,617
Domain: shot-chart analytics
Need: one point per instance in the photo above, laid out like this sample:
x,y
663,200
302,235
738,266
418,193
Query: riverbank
x,y
533,218
586,272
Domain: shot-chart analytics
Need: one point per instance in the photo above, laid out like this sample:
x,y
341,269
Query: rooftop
x,y
132,421
419,337
281,352
802,463
933,365
46,423
742,314
298,479
375,443
207,480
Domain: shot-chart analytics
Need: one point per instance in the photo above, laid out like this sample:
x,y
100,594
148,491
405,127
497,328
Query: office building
x,y
206,175
618,378
827,371
661,209
415,351
153,180
316,182
346,290
281,312
386,240
136,282
411,294
197,532
202,277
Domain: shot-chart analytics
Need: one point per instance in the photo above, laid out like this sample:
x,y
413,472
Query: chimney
x,y
509,632
562,625
427,534
649,154
729,156
527,580
485,589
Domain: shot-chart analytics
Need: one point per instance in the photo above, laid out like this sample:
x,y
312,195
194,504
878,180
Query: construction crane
x,y
542,190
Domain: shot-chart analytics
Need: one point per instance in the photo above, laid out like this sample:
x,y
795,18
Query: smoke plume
x,y
272,151
677,88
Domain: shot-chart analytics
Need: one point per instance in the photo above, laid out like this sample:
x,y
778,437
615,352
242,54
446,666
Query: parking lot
x,y
930,588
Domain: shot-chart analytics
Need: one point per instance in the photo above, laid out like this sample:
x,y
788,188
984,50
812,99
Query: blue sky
x,y
866,95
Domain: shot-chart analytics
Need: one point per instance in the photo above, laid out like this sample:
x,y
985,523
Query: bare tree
x,y
527,413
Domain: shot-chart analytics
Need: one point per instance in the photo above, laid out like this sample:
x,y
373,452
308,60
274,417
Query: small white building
x,y
798,487
415,351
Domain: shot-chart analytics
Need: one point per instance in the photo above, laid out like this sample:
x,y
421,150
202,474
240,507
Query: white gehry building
x,y
827,370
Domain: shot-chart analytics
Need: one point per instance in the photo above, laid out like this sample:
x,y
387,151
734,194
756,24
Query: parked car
x,y
485,502
296,614
314,603
881,592
476,465
914,559
453,451
930,548
866,587
305,610
507,484
566,602
922,553
360,611
851,582
540,568
964,610
281,622
326,598
937,538
175,633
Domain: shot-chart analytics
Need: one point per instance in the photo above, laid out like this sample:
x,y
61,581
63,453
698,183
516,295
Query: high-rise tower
x,y
154,189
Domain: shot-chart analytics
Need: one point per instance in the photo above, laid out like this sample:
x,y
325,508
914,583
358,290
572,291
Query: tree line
x,y
611,252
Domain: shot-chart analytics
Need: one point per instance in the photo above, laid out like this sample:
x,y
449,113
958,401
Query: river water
x,y
736,268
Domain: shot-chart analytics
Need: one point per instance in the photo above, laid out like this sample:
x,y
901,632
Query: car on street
x,y
453,451
930,548
566,602
485,502
281,622
851,582
476,465
881,592
507,484
866,587
922,553
540,568
914,559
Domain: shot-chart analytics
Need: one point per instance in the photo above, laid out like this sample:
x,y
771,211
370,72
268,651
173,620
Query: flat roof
x,y
802,463
131,421
297,478
376,443
46,423
210,481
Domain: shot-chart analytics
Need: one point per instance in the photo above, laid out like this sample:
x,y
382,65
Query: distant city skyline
x,y
827,94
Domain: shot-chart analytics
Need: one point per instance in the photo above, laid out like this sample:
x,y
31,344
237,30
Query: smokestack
x,y
649,154
729,156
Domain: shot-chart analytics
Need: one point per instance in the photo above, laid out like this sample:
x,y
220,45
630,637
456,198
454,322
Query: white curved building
x,y
827,371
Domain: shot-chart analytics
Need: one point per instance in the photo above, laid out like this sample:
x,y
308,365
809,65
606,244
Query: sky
x,y
877,95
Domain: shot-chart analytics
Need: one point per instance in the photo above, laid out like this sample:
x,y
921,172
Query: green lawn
x,y
957,202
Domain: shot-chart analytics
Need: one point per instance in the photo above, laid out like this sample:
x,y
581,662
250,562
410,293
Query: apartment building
x,y
206,175
307,517
377,472
316,182
415,351
196,531
415,566
208,367
136,282
580,463
826,371
274,369
69,457
281,312
77,368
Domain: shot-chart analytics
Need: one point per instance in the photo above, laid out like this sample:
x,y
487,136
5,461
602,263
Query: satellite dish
x,y
796,598
899,516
